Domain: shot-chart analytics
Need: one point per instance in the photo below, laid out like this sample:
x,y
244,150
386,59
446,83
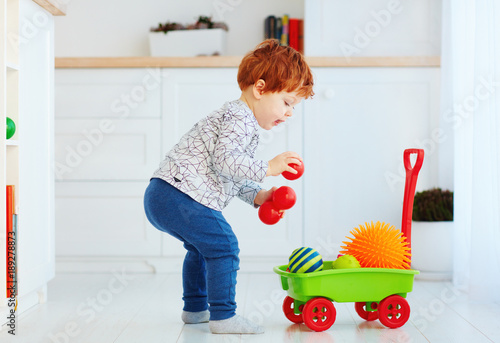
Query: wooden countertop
x,y
53,7
234,61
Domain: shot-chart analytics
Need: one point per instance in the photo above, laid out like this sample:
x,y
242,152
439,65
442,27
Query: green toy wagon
x,y
378,293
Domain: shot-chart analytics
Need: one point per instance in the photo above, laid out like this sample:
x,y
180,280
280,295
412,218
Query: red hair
x,y
281,67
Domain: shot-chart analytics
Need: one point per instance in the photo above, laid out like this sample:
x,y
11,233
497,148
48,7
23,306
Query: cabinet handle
x,y
329,93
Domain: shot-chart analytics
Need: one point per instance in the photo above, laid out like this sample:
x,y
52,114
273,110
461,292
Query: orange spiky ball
x,y
378,246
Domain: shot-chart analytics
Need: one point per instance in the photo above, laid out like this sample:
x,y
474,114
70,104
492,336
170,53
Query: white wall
x,y
373,28
120,27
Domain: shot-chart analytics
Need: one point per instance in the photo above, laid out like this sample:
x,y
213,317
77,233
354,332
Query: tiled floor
x,y
121,307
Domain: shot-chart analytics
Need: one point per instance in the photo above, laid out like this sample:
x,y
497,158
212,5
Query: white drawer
x,y
103,219
108,93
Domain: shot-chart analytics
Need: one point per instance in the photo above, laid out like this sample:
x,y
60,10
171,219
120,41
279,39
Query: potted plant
x,y
204,37
432,246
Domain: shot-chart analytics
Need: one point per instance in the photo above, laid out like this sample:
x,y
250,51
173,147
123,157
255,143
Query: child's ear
x,y
258,88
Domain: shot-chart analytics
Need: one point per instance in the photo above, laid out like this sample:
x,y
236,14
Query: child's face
x,y
273,109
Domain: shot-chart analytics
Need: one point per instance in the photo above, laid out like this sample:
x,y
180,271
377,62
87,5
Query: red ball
x,y
284,198
298,167
269,214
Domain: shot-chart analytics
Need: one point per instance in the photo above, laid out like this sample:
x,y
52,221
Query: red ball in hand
x,y
284,198
269,214
298,167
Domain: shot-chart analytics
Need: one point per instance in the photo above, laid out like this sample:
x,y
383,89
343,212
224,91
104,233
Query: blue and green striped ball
x,y
305,260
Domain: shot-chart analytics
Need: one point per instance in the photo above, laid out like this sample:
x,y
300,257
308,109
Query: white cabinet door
x,y
104,219
356,129
107,123
108,143
191,94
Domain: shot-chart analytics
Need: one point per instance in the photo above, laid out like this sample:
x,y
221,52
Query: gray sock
x,y
236,324
195,317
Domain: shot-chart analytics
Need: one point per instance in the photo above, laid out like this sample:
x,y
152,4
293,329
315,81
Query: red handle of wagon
x,y
410,185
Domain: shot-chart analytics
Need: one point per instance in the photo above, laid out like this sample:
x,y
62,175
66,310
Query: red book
x,y
293,33
10,228
296,34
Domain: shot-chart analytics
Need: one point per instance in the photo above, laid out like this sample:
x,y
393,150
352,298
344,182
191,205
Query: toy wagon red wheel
x,y
288,310
319,314
363,313
394,311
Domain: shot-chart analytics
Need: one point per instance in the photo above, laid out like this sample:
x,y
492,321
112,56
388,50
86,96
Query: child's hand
x,y
263,196
279,164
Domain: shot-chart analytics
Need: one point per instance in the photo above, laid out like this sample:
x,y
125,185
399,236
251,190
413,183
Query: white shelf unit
x,y
26,159
12,66
9,107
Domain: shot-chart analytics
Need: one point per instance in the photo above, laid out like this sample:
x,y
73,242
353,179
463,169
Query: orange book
x,y
10,235
10,205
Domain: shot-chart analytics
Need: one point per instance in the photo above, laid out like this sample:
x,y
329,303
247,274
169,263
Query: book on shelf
x,y
278,27
289,31
296,27
284,30
14,283
301,36
11,239
269,24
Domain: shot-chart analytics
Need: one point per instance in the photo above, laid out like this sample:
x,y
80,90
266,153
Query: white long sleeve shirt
x,y
214,161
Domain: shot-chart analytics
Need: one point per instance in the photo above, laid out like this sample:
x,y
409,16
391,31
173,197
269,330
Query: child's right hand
x,y
263,196
280,163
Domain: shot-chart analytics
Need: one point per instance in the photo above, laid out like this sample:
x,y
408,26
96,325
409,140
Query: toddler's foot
x,y
195,317
236,324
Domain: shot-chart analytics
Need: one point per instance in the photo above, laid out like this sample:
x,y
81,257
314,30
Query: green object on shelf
x,y
11,128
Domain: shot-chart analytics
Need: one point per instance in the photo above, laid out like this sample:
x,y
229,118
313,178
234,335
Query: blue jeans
x,y
211,261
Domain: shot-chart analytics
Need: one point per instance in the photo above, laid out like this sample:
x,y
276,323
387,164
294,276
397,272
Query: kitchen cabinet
x,y
355,132
101,176
351,135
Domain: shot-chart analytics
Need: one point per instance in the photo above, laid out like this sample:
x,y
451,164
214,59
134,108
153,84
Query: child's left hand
x,y
263,196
